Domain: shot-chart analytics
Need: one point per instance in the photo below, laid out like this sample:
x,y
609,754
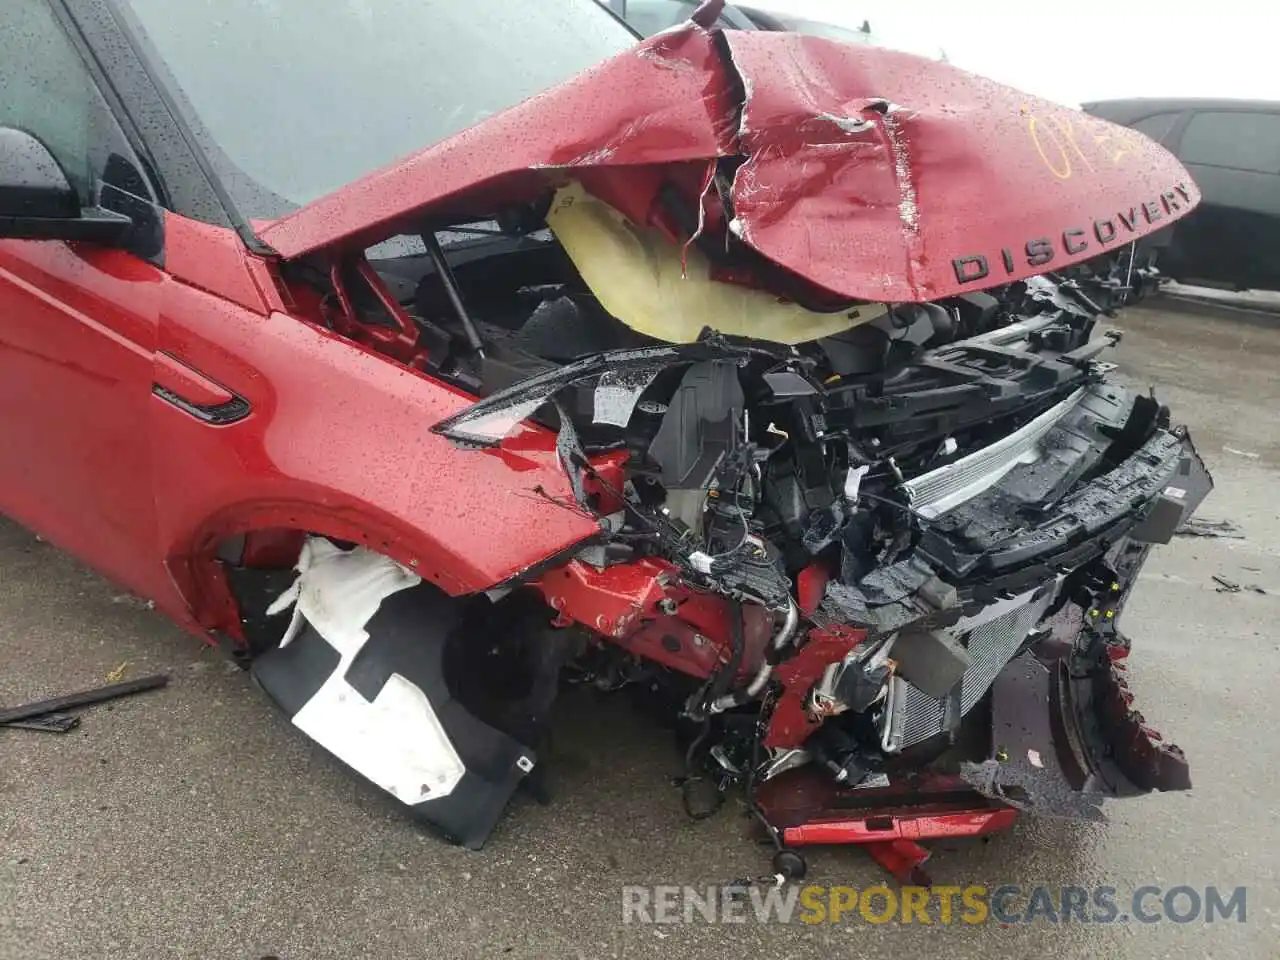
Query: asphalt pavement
x,y
195,822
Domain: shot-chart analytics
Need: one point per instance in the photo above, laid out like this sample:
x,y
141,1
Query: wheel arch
x,y
198,568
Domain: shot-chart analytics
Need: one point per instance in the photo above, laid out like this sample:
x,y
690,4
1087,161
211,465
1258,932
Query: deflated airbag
x,y
654,287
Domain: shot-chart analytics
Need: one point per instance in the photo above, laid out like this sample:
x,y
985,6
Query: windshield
x,y
292,99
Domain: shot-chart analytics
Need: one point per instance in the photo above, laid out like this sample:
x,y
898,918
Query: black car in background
x,y
1232,149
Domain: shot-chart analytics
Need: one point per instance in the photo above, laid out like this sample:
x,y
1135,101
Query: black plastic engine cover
x,y
699,428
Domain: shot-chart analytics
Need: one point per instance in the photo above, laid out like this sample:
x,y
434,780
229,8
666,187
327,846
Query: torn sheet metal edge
x,y
396,740
937,491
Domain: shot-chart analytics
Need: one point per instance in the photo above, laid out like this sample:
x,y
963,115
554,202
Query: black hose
x,y
692,780
752,788
720,684
725,677
889,502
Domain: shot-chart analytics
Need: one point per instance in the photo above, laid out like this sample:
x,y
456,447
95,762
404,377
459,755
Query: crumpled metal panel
x,y
874,174
886,176
668,100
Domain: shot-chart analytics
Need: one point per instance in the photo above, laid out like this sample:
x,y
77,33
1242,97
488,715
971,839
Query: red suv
x,y
436,352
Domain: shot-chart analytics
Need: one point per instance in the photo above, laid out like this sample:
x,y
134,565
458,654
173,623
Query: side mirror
x,y
37,201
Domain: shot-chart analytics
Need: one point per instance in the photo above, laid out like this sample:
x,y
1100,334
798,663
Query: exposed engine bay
x,y
888,516
838,564
859,512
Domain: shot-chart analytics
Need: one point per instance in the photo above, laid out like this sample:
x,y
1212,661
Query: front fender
x,y
337,440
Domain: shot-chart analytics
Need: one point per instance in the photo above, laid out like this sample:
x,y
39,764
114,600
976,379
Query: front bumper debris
x,y
1061,733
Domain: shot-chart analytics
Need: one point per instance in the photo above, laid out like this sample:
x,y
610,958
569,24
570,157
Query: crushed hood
x,y
874,175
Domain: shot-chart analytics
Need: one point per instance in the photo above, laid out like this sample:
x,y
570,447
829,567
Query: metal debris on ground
x,y
13,716
48,723
1225,585
1222,529
116,675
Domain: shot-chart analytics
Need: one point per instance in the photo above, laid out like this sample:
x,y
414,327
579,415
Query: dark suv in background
x,y
1232,149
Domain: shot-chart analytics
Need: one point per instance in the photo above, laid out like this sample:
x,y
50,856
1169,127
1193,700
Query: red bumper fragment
x,y
883,827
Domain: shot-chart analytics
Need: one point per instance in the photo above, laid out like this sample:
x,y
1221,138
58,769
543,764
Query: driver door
x,y
78,322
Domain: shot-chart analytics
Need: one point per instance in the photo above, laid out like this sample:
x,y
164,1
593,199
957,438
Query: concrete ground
x,y
194,822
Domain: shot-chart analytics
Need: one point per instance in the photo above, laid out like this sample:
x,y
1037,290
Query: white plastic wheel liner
x,y
395,740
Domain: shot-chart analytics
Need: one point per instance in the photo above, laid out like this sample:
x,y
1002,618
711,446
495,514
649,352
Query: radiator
x,y
992,638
